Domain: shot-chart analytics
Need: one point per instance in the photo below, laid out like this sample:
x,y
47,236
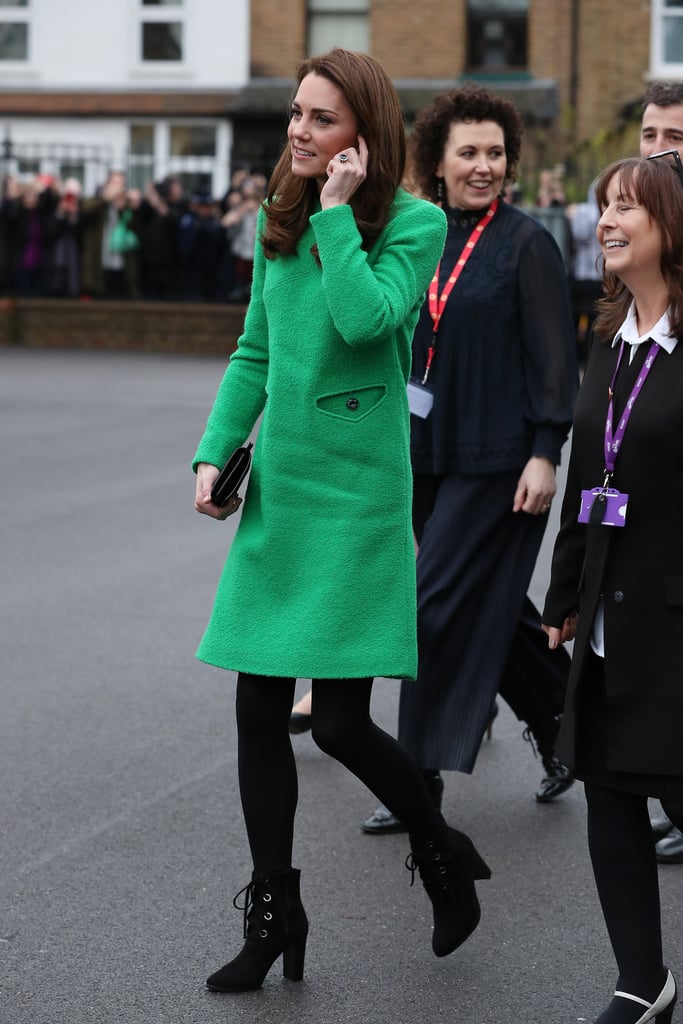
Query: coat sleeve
x,y
550,359
242,393
369,295
569,554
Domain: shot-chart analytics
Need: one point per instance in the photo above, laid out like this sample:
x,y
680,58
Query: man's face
x,y
661,129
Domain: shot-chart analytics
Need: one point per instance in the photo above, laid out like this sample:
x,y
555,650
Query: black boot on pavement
x,y
558,778
275,924
448,868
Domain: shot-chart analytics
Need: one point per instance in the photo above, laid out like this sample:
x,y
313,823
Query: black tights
x,y
625,868
342,727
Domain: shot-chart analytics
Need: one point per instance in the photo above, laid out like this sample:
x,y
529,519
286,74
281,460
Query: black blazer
x,y
638,568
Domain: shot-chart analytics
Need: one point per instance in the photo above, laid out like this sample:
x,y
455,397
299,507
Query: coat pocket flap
x,y
673,588
352,405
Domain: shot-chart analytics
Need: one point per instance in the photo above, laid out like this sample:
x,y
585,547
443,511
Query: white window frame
x,y
23,16
659,67
331,10
156,13
164,163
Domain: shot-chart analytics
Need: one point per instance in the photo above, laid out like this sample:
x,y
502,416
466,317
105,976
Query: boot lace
x,y
412,866
529,737
249,908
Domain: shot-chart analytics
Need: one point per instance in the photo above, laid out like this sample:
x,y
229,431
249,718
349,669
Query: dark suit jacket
x,y
638,568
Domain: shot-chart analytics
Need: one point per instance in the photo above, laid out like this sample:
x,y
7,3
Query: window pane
x,y
162,40
13,3
673,3
193,140
140,173
496,43
141,140
338,6
13,40
673,40
493,7
72,170
350,31
25,167
162,3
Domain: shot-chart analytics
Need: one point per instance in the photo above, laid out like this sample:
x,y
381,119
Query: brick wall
x,y
614,53
426,39
143,326
278,37
419,39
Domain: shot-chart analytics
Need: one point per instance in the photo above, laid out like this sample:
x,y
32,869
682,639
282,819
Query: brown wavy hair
x,y
371,95
469,102
654,185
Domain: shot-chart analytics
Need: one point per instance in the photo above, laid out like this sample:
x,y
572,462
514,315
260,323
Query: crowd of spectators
x,y
125,243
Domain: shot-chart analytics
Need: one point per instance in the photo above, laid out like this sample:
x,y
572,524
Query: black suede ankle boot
x,y
275,924
448,869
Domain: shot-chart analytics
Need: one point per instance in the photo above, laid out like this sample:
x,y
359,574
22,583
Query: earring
x,y
439,189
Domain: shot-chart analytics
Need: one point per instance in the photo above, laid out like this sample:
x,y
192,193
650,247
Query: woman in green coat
x,y
320,580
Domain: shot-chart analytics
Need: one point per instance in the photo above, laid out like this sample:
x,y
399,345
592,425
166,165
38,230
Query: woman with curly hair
x,y
494,378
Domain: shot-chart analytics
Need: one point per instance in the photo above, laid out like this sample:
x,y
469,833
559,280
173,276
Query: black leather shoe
x,y
558,779
382,822
670,848
661,825
299,723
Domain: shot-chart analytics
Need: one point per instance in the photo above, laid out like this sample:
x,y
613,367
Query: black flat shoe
x,y
382,822
299,723
670,848
661,825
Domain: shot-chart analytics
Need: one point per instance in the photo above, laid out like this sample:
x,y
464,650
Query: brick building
x,y
572,66
195,87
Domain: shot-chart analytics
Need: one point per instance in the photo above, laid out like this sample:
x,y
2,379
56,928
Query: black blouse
x,y
504,374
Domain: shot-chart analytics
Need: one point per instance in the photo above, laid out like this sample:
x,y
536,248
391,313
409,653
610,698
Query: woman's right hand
x,y
563,635
206,477
345,177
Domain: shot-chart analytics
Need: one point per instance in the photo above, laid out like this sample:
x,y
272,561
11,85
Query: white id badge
x,y
420,399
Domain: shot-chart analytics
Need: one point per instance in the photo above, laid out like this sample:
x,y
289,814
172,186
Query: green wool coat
x,y
320,578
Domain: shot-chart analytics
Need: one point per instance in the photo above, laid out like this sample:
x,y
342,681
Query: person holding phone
x,y
320,579
616,583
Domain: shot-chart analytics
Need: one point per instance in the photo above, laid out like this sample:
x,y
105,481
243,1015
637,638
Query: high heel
x,y
659,1012
448,870
275,924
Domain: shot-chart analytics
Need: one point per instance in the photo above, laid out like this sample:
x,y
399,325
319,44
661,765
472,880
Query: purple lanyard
x,y
613,440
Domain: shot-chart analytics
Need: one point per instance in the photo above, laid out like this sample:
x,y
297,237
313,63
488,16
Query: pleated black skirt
x,y
591,743
475,561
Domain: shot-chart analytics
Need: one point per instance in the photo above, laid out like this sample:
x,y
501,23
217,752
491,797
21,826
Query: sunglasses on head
x,y
677,164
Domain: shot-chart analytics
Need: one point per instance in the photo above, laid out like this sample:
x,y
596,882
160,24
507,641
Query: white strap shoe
x,y
664,1002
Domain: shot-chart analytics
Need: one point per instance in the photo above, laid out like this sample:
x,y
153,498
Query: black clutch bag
x,y
230,478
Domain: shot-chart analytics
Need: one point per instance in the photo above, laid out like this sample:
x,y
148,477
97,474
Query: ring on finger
x,y
343,157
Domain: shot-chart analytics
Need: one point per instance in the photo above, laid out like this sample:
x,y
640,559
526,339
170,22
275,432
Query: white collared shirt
x,y
629,332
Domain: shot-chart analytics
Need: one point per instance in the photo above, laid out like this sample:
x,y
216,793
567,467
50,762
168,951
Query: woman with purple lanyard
x,y
617,574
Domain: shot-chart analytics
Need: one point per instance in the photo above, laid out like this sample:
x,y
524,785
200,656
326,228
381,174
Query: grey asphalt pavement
x,y
121,839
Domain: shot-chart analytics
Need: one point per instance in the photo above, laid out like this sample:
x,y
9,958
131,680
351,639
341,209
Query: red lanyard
x,y
437,303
